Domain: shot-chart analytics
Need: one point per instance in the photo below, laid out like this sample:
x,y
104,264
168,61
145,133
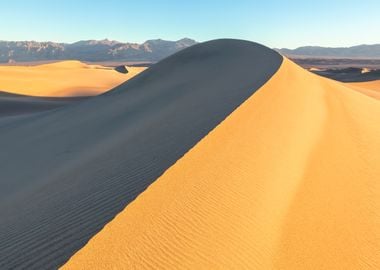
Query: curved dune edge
x,y
287,181
62,79
371,88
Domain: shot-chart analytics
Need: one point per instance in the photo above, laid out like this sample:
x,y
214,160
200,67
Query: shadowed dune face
x,y
16,105
62,79
288,181
81,165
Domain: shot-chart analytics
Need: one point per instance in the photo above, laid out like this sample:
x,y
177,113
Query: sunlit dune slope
x,y
290,180
62,79
370,88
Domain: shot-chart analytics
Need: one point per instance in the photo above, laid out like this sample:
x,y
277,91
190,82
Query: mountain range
x,y
150,51
360,51
91,50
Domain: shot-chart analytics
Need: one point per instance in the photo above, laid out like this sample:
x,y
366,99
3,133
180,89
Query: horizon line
x,y
172,40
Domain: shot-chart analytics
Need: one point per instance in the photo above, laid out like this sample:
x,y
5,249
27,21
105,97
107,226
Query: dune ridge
x,y
80,165
287,181
62,79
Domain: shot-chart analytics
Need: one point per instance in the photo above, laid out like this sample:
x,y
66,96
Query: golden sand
x,y
371,88
290,180
62,79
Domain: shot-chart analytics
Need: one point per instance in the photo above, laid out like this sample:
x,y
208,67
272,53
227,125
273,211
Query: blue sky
x,y
275,23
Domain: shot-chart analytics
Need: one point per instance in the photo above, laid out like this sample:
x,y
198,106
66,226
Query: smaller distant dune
x,y
63,79
64,64
365,70
314,69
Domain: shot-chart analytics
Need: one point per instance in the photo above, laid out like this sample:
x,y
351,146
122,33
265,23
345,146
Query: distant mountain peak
x,y
187,41
96,42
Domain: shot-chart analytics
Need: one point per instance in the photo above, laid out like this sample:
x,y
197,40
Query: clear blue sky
x,y
275,23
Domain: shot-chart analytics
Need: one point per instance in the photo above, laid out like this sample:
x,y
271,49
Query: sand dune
x,y
66,173
371,88
14,105
365,70
62,79
226,177
314,69
288,181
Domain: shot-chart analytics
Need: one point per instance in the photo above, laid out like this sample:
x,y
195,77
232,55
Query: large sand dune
x,y
225,177
66,173
290,180
62,79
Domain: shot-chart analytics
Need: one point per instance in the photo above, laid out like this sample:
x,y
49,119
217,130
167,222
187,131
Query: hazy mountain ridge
x,y
359,51
90,50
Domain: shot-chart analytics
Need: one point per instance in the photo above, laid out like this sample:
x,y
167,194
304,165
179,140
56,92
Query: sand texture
x,y
289,180
371,88
66,173
62,79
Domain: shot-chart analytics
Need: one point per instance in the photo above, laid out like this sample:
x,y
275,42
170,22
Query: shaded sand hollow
x,y
16,105
62,79
290,180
